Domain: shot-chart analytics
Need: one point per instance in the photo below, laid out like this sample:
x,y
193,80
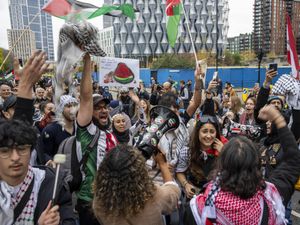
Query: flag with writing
x,y
173,12
291,48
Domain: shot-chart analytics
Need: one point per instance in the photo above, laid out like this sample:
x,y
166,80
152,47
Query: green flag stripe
x,y
172,25
126,9
177,10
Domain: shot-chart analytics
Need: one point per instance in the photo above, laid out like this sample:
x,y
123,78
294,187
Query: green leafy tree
x,y
8,64
173,61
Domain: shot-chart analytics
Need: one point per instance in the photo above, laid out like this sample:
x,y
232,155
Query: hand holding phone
x,y
215,76
273,66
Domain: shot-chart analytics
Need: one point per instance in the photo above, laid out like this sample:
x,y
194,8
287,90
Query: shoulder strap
x,y
21,205
90,148
265,217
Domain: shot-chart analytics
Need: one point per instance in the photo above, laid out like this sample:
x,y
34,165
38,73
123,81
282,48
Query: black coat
x,y
63,199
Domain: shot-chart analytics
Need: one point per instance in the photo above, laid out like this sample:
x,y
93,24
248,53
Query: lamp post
x,y
260,56
217,35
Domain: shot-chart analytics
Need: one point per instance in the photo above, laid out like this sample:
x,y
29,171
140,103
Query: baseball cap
x,y
98,98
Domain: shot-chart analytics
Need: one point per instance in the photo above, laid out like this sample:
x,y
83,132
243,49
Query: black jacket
x,y
63,199
262,99
24,112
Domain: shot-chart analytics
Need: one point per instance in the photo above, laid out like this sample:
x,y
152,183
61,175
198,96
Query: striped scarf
x,y
9,200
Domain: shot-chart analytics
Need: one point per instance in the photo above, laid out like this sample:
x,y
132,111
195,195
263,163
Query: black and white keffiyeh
x,y
74,41
288,86
11,196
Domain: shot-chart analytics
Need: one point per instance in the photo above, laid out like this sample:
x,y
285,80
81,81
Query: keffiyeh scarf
x,y
219,207
9,200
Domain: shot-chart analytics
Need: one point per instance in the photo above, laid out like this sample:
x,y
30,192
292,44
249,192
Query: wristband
x,y
266,85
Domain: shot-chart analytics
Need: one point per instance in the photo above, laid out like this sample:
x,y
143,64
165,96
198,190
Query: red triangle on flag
x,y
58,7
169,6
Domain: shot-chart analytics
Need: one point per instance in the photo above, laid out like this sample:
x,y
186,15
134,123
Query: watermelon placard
x,y
116,72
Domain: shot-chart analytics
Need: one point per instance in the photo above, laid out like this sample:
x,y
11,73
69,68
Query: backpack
x,y
72,167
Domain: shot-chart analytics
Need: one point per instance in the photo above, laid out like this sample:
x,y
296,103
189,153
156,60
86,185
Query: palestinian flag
x,y
65,9
115,10
173,11
291,49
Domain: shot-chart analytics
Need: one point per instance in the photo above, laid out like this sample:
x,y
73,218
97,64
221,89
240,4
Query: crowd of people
x,y
227,162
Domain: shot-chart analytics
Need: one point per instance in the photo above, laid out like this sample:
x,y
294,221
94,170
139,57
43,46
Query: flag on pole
x,y
291,49
115,10
173,11
69,8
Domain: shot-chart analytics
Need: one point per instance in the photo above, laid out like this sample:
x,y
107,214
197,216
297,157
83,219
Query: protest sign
x,y
119,72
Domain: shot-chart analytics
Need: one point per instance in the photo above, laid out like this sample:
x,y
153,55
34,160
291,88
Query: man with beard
x,y
92,117
62,128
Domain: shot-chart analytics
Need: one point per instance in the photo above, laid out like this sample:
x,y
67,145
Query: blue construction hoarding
x,y
240,77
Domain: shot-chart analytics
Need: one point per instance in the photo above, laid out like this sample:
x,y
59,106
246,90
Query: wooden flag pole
x,y
15,44
189,31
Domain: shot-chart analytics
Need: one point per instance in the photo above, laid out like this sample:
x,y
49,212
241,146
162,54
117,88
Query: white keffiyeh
x,y
9,200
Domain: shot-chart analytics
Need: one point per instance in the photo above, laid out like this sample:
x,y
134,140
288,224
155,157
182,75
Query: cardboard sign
x,y
118,72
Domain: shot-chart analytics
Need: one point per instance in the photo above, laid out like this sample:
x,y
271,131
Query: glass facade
x,y
22,12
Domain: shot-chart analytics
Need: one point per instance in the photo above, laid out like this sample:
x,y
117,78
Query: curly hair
x,y
122,185
15,132
196,159
240,167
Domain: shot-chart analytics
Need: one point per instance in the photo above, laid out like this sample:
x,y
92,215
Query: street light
x,y
217,35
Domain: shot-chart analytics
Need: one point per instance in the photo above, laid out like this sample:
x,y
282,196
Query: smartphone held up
x,y
273,66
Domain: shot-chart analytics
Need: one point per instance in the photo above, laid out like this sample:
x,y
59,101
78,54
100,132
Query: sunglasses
x,y
208,119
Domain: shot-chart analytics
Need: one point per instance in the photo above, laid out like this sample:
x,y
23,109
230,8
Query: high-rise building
x,y
146,36
240,43
26,45
22,12
106,40
269,25
107,20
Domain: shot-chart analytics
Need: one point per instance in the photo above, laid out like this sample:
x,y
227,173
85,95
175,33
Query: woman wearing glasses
x,y
196,162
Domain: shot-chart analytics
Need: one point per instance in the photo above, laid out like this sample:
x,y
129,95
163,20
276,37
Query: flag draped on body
x,y
173,11
291,49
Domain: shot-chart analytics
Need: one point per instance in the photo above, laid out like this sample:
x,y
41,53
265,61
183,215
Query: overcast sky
x,y
240,19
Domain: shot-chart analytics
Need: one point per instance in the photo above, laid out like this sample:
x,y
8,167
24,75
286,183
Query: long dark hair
x,y
196,159
240,168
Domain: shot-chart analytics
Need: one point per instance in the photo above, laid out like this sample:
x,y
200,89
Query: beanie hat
x,y
65,100
275,97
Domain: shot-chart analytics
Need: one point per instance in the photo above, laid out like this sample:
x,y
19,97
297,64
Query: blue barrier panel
x,y
240,77
145,76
